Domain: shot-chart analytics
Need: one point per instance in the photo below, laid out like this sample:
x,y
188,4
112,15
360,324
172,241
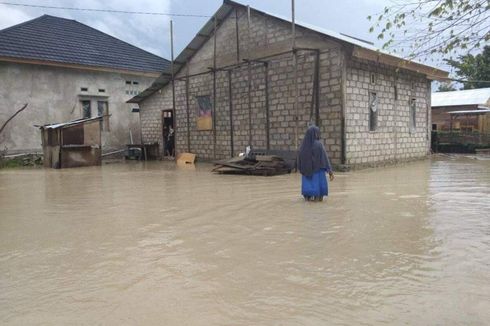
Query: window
x,y
128,82
373,111
395,90
204,113
135,82
413,115
101,90
103,111
84,89
86,109
373,78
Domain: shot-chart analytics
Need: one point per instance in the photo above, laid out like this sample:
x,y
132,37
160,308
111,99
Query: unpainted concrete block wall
x,y
393,140
343,81
267,35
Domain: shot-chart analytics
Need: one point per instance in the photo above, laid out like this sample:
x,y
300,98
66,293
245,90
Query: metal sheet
x,y
479,96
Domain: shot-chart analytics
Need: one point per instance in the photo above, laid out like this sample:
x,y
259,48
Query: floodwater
x,y
154,244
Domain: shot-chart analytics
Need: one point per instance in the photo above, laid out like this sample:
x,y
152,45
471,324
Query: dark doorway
x,y
168,133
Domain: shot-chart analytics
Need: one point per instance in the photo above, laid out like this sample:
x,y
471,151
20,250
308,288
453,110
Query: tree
x,y
446,87
422,28
475,69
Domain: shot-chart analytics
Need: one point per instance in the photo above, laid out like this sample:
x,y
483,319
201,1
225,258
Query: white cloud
x,y
149,32
11,16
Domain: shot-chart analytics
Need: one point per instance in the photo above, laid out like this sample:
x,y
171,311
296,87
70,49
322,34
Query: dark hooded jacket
x,y
312,156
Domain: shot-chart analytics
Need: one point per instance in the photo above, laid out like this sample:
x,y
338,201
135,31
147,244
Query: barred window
x,y
413,115
86,109
373,111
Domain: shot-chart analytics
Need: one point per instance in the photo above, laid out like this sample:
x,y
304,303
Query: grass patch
x,y
28,160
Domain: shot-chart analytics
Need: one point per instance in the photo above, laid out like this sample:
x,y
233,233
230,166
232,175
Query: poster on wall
x,y
204,113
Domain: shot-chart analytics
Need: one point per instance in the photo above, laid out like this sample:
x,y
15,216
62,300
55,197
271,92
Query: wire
x,y
470,81
104,10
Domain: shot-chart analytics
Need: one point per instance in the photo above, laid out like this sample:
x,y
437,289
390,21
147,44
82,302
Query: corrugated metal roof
x,y
482,111
69,123
480,96
207,30
60,40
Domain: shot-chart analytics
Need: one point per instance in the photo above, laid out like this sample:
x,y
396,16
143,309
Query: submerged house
x,y
243,81
66,70
464,111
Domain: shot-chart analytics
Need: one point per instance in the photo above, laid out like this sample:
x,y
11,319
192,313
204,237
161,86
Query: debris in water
x,y
266,165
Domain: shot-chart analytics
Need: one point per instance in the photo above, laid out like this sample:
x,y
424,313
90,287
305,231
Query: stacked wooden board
x,y
265,165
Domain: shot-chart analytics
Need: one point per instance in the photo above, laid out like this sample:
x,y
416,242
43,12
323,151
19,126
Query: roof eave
x,y
377,56
226,8
78,66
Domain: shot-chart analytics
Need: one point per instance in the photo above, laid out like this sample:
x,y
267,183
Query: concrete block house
x,y
241,81
66,70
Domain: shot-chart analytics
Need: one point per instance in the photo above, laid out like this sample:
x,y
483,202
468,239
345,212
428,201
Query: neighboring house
x,y
466,110
245,85
66,70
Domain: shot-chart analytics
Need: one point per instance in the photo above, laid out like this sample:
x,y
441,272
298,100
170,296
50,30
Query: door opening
x,y
168,133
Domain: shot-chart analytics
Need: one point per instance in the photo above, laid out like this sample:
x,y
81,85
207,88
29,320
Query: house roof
x,y
479,96
48,39
369,52
69,123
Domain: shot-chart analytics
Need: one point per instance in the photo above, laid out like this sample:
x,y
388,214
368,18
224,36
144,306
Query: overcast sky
x,y
152,32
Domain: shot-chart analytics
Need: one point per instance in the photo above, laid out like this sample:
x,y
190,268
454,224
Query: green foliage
x,y
473,68
446,87
27,160
420,28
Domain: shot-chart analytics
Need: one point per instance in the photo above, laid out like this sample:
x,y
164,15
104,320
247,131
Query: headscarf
x,y
312,156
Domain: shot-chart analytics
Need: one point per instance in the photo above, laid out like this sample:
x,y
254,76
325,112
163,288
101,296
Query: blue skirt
x,y
315,185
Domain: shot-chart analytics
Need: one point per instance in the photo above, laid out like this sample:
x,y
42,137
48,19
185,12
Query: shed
x,y
465,110
72,144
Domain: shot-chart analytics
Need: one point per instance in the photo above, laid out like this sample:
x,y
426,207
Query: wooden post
x,y
267,108
174,118
296,103
237,37
315,97
317,88
214,89
343,145
249,67
249,43
230,99
295,64
187,108
293,25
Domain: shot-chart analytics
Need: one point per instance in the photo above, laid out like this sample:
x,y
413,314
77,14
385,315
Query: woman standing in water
x,y
313,163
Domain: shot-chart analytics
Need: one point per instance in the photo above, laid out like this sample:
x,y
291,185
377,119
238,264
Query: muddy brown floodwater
x,y
153,244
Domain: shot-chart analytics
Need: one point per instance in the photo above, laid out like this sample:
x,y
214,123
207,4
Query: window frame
x,y
373,114
200,124
412,114
84,109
